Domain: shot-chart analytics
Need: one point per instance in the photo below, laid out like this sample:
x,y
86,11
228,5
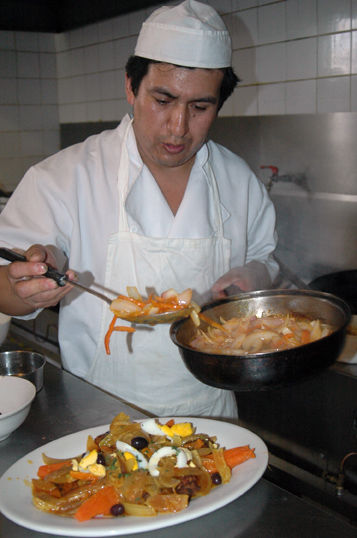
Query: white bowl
x,y
16,395
5,321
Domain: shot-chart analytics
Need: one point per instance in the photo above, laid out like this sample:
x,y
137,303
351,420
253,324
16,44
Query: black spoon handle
x,y
13,256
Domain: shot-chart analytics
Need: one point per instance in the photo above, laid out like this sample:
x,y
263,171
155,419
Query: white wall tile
x,y
48,66
301,18
29,91
334,54
244,4
49,93
354,15
105,30
301,97
108,85
106,56
333,95
120,26
46,42
79,89
271,23
30,117
89,34
333,15
354,93
94,111
9,118
245,101
61,42
271,62
91,59
221,6
8,92
7,40
123,48
271,99
7,64
27,41
93,87
135,20
64,91
9,144
244,65
28,64
65,113
51,141
243,27
301,58
354,53
77,61
31,142
49,114
110,110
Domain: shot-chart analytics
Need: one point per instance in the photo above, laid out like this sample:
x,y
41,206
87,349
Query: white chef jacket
x,y
70,201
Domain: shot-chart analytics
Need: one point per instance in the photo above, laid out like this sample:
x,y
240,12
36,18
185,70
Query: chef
x,y
151,204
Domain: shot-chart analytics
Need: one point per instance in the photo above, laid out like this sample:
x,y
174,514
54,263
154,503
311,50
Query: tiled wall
x,y
29,124
293,56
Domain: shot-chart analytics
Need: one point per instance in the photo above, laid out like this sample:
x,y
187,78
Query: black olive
x,y
216,479
100,459
139,443
117,509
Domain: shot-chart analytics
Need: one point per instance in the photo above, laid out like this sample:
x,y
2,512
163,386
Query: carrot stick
x,y
305,336
233,457
79,475
99,503
110,331
44,470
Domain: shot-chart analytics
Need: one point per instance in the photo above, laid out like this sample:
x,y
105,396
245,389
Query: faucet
x,y
298,179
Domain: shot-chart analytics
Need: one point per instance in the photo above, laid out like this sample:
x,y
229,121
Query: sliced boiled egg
x,y
125,449
150,426
164,452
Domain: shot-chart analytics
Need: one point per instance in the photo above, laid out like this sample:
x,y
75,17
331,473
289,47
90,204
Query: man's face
x,y
173,111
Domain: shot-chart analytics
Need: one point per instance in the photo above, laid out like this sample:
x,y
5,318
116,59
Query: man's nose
x,y
179,120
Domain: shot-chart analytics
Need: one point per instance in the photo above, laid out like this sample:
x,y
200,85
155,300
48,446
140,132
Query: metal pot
x,y
264,371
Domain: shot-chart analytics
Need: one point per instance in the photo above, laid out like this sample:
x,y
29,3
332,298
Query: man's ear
x,y
130,97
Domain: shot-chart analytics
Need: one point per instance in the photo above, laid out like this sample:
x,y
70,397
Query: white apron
x,y
145,367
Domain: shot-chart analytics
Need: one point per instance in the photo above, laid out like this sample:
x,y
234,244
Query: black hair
x,y
137,67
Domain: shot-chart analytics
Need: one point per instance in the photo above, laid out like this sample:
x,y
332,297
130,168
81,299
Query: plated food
x,y
252,334
136,468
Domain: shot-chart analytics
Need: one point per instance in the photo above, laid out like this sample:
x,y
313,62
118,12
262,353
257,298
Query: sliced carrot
x,y
110,331
233,456
44,470
98,504
170,422
305,336
80,475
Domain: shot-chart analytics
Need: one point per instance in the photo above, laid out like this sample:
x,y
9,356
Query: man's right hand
x,y
22,292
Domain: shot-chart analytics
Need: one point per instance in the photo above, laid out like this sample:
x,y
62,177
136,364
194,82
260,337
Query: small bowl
x,y
16,396
5,321
26,364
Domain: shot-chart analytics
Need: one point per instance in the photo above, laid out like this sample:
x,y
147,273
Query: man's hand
x,y
250,277
22,291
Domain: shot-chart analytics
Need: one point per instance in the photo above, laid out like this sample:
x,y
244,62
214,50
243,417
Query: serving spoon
x,y
62,280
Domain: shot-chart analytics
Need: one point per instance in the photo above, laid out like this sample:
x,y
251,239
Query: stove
x,y
310,429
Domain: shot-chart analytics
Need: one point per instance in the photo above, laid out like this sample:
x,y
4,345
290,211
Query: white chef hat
x,y
190,34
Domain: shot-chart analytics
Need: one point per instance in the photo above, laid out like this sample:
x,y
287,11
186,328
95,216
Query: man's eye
x,y
162,101
200,108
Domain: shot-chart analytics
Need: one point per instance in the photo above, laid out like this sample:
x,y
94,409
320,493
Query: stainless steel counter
x,y
67,404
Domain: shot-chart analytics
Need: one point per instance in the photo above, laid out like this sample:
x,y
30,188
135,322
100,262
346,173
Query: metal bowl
x,y
263,371
26,364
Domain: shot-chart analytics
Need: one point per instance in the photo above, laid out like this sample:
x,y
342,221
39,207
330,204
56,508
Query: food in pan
x,y
252,334
134,307
136,468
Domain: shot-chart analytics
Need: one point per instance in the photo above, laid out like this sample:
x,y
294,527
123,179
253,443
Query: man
x,y
150,204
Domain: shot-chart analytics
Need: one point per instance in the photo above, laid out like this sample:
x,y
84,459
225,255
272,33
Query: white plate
x,y
16,497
